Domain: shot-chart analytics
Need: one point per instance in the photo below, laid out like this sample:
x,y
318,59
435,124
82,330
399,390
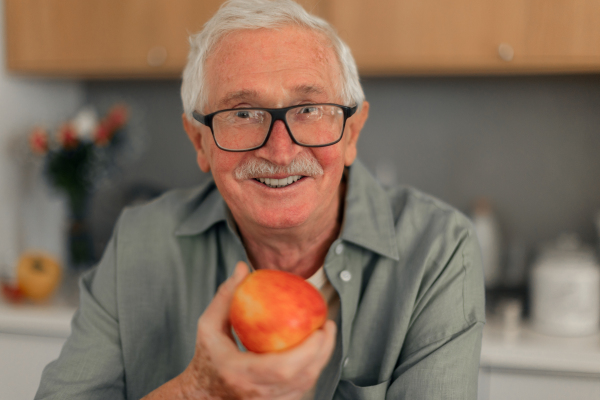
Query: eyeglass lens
x,y
311,125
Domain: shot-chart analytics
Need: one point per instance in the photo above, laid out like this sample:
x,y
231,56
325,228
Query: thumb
x,y
217,312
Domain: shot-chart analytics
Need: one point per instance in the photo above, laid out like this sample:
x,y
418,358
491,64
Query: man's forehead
x,y
286,62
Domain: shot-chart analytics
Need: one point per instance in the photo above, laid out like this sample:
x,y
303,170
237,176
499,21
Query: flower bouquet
x,y
75,158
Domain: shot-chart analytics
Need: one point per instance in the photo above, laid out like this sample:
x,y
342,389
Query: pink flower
x,y
102,135
67,137
117,117
38,141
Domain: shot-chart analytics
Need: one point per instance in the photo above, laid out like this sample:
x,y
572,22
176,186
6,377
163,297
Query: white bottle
x,y
565,289
488,233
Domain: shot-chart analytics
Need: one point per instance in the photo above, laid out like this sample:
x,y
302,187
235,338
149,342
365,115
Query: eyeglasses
x,y
245,129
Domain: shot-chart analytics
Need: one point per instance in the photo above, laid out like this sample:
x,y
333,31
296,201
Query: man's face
x,y
274,69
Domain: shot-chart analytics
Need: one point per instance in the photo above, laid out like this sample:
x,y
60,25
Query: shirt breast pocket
x,y
348,390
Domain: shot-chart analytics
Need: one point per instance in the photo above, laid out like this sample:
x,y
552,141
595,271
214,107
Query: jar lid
x,y
567,252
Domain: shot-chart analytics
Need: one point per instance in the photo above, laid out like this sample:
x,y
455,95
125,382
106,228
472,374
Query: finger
x,y
320,347
313,352
217,312
311,371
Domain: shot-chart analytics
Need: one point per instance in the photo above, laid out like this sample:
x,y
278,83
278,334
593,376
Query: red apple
x,y
274,311
12,293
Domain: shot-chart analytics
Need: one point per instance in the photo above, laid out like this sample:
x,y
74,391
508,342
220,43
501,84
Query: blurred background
x,y
490,106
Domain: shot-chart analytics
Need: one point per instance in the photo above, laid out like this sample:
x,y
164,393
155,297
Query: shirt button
x,y
346,361
345,276
339,248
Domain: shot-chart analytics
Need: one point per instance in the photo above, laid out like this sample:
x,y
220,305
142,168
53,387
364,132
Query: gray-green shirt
x,y
407,269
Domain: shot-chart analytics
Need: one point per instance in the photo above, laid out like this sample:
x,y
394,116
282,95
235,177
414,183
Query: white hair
x,y
254,14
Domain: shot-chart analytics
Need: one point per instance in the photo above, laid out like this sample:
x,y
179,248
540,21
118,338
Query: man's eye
x,y
308,110
243,114
246,116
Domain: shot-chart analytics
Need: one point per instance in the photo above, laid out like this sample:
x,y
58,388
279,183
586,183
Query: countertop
x,y
50,320
522,348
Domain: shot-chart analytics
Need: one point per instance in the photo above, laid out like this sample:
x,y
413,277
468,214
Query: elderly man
x,y
274,110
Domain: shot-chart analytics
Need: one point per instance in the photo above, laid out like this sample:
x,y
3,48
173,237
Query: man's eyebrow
x,y
244,94
309,89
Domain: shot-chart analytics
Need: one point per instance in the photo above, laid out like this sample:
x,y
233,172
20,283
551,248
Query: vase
x,y
80,249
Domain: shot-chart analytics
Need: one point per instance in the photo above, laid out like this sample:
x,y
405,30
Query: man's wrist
x,y
182,387
189,385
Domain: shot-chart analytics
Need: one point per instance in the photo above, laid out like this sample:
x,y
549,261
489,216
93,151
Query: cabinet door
x,y
105,38
560,33
102,37
470,36
22,360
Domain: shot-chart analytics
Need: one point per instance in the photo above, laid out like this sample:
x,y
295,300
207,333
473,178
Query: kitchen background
x,y
530,143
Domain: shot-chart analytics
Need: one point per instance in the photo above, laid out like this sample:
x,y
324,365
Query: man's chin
x,y
281,219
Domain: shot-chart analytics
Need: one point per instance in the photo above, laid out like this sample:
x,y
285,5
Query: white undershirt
x,y
320,281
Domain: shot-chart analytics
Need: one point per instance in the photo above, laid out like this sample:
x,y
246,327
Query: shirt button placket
x,y
345,275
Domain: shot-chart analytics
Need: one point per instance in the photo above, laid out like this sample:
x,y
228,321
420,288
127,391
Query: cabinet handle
x,y
157,56
506,52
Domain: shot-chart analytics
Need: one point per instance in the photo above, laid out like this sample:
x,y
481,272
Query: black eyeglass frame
x,y
277,114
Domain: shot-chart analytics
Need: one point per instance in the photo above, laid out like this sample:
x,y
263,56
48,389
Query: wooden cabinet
x,y
148,38
470,36
102,38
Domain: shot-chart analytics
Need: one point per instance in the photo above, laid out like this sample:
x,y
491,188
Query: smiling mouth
x,y
279,183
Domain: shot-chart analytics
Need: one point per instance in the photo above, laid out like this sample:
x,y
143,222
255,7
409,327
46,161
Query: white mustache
x,y
302,165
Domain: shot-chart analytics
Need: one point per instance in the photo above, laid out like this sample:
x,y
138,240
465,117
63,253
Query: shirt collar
x,y
208,208
368,218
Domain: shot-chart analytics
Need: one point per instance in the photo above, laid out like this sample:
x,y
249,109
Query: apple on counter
x,y
273,311
11,292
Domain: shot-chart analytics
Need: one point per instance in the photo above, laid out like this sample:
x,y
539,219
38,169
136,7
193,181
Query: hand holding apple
x,y
219,370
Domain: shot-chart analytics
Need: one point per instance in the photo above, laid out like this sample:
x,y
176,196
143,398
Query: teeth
x,y
277,183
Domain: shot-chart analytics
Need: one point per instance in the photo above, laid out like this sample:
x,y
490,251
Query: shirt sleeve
x,y
440,359
90,365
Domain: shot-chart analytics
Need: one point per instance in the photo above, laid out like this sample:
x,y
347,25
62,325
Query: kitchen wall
x,y
532,144
23,103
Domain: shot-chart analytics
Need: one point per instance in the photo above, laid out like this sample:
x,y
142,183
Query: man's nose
x,y
280,148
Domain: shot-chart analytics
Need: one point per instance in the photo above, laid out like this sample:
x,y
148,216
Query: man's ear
x,y
194,132
354,125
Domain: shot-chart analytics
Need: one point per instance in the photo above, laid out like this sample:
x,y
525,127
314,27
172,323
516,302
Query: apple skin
x,y
273,311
